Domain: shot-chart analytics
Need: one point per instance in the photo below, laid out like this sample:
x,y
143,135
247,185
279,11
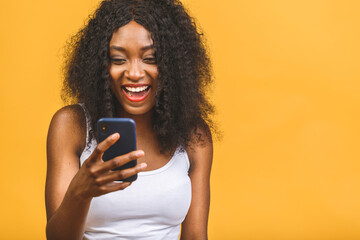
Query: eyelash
x,y
119,61
151,60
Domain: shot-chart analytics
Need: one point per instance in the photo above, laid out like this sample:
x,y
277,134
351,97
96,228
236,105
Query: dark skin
x,y
70,189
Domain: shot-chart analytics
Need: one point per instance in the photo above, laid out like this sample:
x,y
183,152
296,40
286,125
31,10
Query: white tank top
x,y
151,208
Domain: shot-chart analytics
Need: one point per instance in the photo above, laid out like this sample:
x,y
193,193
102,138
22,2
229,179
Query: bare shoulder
x,y
200,149
72,116
68,127
74,111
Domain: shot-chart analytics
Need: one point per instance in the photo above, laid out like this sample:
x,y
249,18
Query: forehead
x,y
131,33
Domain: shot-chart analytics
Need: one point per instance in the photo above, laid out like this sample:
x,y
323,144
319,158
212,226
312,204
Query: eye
x,y
117,61
150,60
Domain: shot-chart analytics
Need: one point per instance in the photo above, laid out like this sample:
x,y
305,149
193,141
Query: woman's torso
x,y
153,207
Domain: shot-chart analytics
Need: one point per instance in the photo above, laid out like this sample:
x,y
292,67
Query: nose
x,y
135,71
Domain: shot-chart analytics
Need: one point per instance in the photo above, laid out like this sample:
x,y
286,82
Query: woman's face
x,y
133,69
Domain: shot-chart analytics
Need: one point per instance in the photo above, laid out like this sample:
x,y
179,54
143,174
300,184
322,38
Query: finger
x,y
120,161
103,146
114,186
121,174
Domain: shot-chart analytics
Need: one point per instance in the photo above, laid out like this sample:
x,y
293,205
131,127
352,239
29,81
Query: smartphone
x,y
127,142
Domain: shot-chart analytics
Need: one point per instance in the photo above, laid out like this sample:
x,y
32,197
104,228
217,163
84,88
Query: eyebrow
x,y
123,49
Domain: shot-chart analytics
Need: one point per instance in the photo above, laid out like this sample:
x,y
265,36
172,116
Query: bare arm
x,y
69,190
65,138
195,223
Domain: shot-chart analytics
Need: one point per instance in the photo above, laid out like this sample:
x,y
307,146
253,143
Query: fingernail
x,y
114,135
143,165
139,153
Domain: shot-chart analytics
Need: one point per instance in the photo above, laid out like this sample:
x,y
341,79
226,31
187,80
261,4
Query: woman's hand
x,y
96,177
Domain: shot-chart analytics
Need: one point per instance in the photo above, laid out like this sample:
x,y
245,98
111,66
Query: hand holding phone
x,y
127,142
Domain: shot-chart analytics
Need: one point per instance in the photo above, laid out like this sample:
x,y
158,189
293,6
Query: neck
x,y
143,122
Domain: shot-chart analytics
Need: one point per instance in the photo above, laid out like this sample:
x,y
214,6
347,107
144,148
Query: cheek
x,y
115,72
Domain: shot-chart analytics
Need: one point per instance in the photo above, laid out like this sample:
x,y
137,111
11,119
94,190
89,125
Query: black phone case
x,y
127,142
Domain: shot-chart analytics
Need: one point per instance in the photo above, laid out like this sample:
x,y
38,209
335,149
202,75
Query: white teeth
x,y
137,89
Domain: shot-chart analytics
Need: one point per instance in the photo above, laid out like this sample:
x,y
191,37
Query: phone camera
x,y
103,127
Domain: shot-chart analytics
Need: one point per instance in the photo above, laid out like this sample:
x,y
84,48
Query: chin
x,y
137,111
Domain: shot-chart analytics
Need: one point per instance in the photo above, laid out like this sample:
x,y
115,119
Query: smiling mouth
x,y
136,93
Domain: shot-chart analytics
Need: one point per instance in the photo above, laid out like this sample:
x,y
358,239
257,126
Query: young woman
x,y
141,59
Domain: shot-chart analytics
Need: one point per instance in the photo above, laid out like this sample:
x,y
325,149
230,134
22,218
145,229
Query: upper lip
x,y
135,85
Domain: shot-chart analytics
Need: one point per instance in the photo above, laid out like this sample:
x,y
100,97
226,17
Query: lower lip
x,y
136,99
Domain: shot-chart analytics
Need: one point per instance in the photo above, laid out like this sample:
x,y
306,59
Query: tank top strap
x,y
87,117
89,148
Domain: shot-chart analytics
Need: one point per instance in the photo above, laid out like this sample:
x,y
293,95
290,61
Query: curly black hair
x,y
181,106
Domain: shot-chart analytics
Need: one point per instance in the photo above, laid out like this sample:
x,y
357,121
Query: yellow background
x,y
287,93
